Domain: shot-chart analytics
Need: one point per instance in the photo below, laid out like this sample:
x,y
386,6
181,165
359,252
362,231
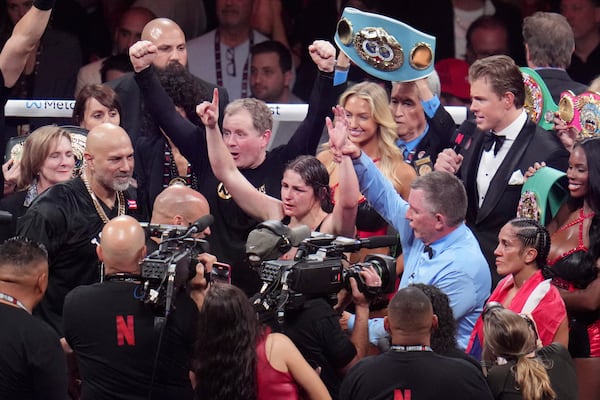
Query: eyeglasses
x,y
531,324
230,56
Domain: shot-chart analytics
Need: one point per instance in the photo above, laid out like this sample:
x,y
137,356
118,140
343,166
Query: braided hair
x,y
532,234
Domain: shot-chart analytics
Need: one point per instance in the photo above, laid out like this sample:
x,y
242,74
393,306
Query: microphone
x,y
200,224
463,136
373,242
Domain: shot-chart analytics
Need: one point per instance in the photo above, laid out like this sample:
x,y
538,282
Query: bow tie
x,y
490,138
427,249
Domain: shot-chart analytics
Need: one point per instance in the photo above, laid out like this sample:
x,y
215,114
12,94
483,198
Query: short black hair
x,y
22,253
273,46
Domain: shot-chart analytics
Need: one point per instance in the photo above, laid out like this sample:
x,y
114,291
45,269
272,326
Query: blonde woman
x,y
373,130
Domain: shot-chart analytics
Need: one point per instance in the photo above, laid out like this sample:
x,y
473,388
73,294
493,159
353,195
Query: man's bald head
x,y
169,39
179,205
109,157
122,245
410,315
104,136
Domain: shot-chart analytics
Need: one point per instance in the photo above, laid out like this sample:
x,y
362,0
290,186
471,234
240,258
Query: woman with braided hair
x,y
520,256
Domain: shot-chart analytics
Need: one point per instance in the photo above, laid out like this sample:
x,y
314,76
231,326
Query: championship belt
x,y
383,47
539,104
582,112
78,139
542,195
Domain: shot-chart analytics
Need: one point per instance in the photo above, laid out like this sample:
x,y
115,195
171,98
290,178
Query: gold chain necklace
x,y
97,206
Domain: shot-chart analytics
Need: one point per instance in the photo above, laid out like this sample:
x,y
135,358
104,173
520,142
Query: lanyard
x,y
410,348
219,66
10,299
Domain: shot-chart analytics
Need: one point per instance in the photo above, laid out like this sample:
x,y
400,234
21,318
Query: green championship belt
x,y
539,104
542,195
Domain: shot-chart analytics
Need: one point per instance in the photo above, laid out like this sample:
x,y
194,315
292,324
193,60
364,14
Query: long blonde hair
x,y
509,335
378,101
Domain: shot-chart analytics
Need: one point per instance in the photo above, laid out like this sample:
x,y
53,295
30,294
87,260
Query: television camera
x,y
166,271
319,269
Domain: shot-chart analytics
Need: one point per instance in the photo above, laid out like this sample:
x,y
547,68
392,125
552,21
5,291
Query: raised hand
x,y
338,135
142,54
323,55
209,111
567,134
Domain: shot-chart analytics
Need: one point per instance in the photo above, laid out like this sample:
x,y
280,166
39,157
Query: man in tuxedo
x,y
504,143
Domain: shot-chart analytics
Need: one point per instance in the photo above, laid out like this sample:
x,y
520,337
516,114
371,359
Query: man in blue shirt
x,y
438,247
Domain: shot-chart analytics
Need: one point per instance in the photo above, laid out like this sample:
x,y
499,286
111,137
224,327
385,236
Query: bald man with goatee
x,y
68,216
120,351
410,369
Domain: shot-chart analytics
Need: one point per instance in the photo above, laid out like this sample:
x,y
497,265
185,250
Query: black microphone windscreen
x,y
379,241
203,222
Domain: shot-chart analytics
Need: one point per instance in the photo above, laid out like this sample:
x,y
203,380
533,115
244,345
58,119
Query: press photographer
x,y
120,350
309,319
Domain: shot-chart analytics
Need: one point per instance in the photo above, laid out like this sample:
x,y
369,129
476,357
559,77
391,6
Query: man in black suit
x,y
168,37
424,126
549,45
504,144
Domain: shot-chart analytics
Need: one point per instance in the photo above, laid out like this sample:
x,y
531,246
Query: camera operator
x,y
181,205
121,352
315,329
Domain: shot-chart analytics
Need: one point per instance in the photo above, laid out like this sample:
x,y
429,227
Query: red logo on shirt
x,y
125,331
398,395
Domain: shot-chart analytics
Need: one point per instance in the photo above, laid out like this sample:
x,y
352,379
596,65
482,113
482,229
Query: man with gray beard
x,y
68,217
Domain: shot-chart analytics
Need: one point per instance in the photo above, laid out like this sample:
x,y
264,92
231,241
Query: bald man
x,y
410,368
34,368
69,215
180,205
168,37
113,333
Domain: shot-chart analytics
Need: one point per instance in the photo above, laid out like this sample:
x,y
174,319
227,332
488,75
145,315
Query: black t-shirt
x,y
64,219
232,226
316,331
32,362
419,375
115,340
559,366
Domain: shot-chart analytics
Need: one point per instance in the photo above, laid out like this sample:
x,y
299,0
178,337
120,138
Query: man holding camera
x,y
122,352
315,329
